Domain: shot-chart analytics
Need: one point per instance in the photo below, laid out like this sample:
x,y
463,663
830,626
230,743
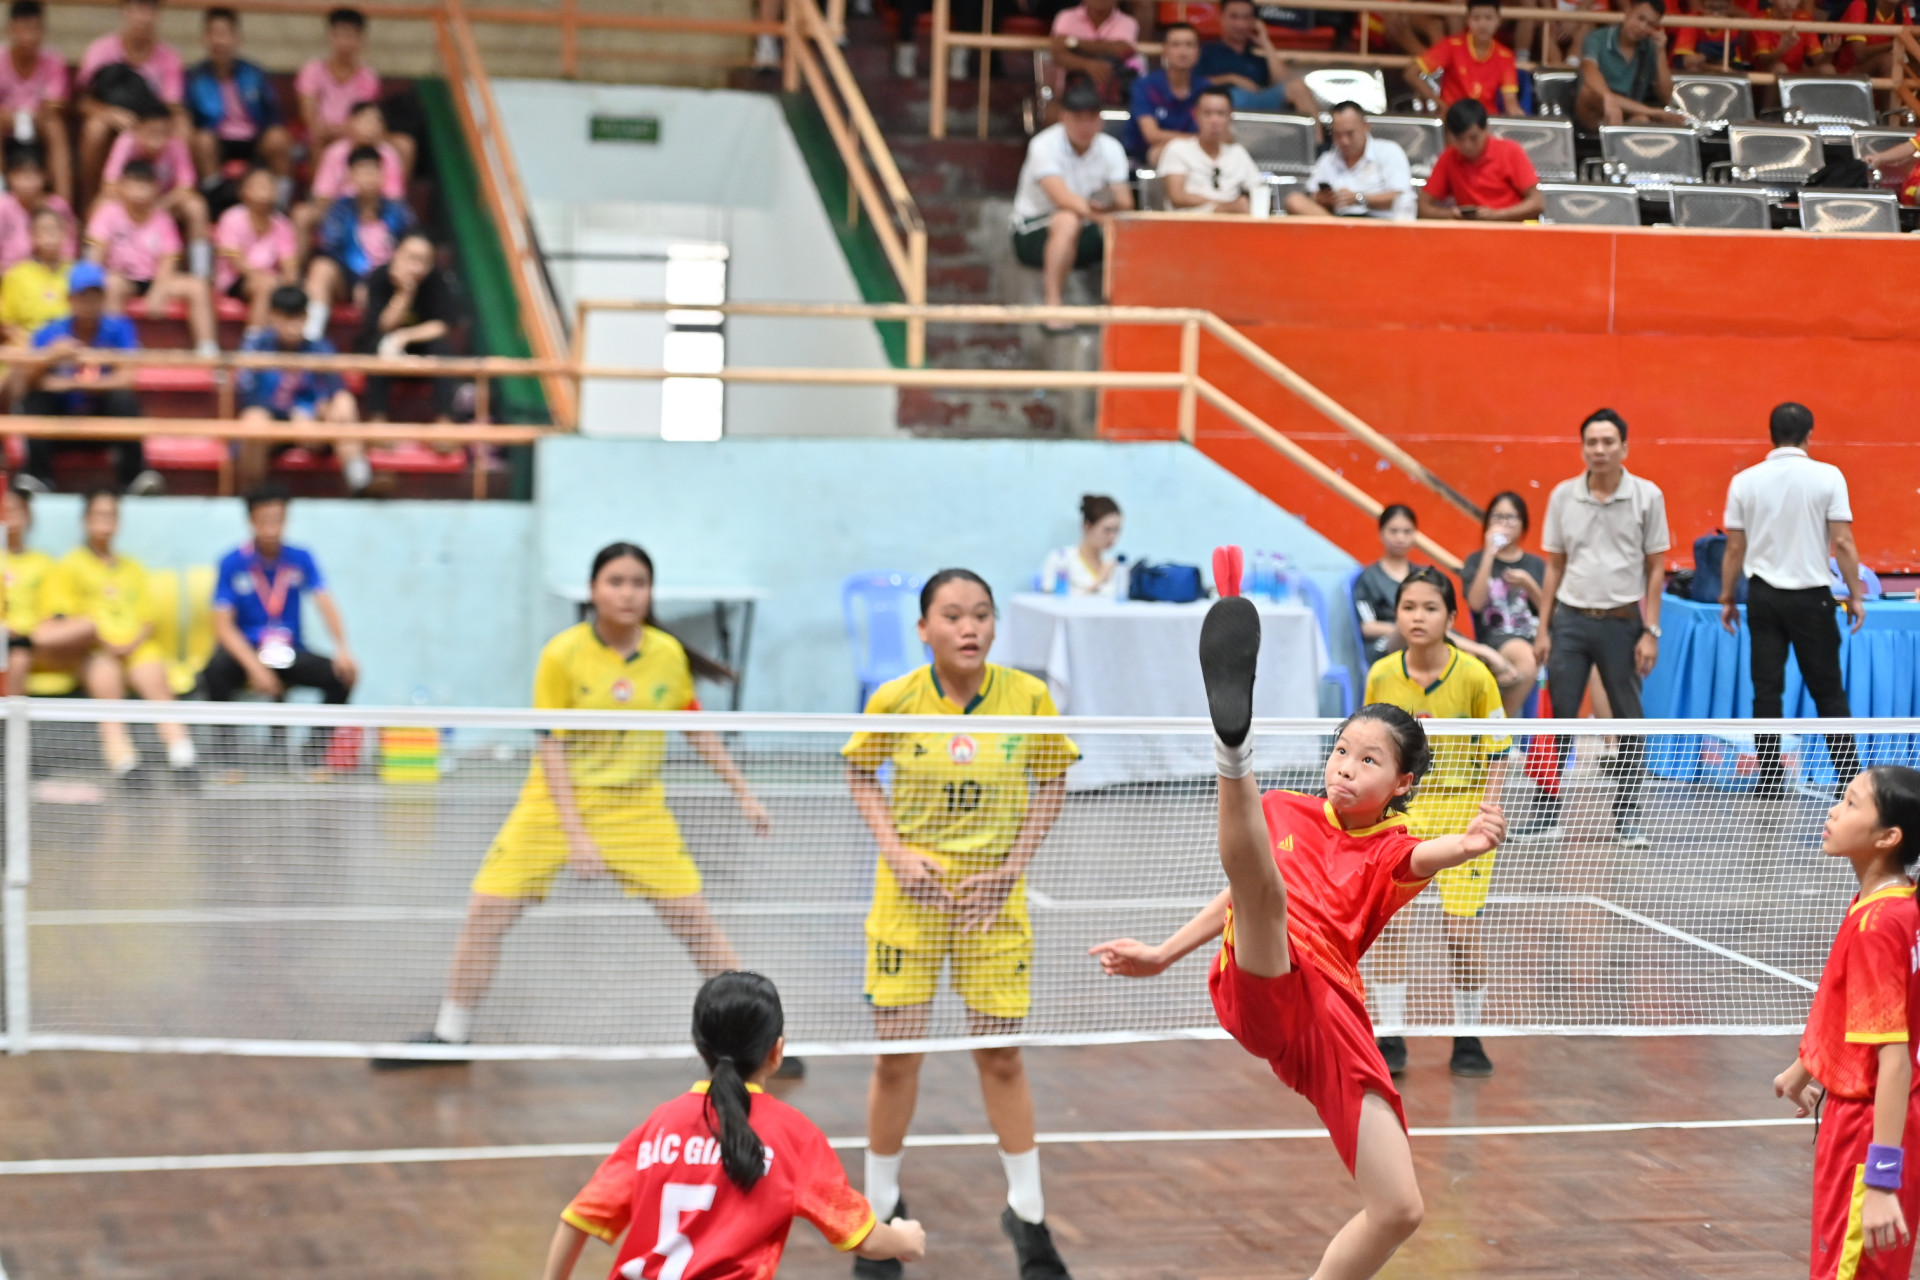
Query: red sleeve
x,y
1520,172
1440,181
1878,967
605,1204
825,1198
1438,58
1509,73
1856,12
1394,853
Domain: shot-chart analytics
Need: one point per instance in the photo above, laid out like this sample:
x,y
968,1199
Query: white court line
x,y
1703,944
582,1150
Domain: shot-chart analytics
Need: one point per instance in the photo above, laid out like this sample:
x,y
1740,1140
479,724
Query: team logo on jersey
x,y
623,690
961,749
919,749
1286,843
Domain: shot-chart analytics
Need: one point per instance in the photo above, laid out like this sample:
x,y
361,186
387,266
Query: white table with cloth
x,y
1131,658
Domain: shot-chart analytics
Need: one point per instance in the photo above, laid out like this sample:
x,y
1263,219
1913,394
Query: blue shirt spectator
x,y
266,591
114,333
361,243
1154,96
207,97
286,393
1219,59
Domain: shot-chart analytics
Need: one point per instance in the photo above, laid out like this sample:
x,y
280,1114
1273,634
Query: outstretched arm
x,y
1483,835
710,749
1125,958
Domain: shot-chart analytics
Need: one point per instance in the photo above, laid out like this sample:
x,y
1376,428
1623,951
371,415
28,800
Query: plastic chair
x,y
1869,581
879,609
1338,673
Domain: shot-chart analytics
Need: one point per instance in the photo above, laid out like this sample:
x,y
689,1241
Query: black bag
x,y
119,84
1842,175
1709,552
1164,583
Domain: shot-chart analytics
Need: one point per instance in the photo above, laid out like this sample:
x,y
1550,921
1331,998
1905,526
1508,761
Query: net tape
x,y
264,910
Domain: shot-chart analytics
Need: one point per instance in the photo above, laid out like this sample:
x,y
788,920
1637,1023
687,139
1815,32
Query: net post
x,y
18,875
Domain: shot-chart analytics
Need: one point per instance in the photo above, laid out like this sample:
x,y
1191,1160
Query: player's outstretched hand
x,y
1125,958
1486,831
756,815
980,897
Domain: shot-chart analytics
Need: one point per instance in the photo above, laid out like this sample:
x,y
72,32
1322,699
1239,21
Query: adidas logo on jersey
x,y
1286,843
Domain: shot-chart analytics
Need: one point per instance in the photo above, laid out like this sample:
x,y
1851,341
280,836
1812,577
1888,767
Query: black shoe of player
x,y
405,1064
1469,1059
883,1268
1229,652
1394,1050
1032,1242
791,1068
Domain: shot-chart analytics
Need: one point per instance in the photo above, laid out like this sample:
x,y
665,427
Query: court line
x,y
583,1150
1714,947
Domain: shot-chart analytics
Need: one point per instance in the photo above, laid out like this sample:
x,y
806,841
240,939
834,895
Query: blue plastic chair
x,y
1341,676
880,610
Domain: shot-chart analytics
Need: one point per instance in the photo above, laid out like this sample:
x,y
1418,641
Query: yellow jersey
x,y
1466,690
26,578
579,672
962,793
111,592
32,294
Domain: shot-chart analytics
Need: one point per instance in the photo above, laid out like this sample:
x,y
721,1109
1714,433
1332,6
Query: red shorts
x,y
1316,1036
1839,1165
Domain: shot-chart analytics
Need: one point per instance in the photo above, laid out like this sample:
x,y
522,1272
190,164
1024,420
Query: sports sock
x,y
181,754
318,312
1467,1003
200,259
121,766
357,472
454,1024
1023,1185
883,1184
1391,999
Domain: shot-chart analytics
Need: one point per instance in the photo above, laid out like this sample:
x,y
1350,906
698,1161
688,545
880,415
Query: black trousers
x,y
1803,621
379,390
129,459
1582,645
225,677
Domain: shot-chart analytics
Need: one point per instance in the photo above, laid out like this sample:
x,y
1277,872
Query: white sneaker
x,y
956,64
766,53
905,65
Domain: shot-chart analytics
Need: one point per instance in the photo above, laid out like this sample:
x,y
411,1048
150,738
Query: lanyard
x,y
272,597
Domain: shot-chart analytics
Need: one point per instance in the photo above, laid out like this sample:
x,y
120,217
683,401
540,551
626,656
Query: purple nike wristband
x,y
1883,1167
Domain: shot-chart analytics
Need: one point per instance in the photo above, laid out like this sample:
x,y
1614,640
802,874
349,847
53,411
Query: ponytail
x,y
729,1111
701,665
737,1020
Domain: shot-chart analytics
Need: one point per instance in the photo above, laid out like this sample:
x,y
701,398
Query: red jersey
x,y
1860,11
692,1223
1498,179
1464,76
1342,886
1869,993
1759,44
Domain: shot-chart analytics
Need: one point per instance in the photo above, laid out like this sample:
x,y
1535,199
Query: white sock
x,y
317,315
207,348
181,754
1233,762
883,1184
1390,998
1023,1185
200,259
454,1024
124,765
1467,1005
357,472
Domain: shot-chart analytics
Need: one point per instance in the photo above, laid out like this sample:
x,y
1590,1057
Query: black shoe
x,y
791,1068
404,1064
1543,819
1229,652
1394,1050
1032,1242
883,1268
1469,1059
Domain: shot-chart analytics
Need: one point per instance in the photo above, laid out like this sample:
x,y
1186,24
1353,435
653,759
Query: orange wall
x,y
1480,349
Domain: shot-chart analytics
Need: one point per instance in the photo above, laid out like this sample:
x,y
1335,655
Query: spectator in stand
x,y
33,85
106,105
26,196
33,293
410,312
1163,100
1072,181
1867,55
1210,172
236,114
139,246
54,386
1624,76
257,596
962,15
33,639
1095,42
1504,594
1698,49
1244,62
1378,584
257,249
366,127
1480,176
295,395
153,139
1358,176
1473,64
357,235
330,87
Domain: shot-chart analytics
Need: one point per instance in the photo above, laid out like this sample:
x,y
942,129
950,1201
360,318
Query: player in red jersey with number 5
x,y
1311,883
1858,1048
714,1179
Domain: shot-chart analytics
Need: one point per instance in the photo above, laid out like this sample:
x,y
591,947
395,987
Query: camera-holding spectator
x,y
109,101
357,234
235,113
1504,594
1162,101
1624,76
1210,172
33,90
134,239
1073,179
1473,64
1789,52
33,293
55,385
256,247
295,395
332,86
1697,49
1093,41
26,196
154,140
1358,176
1244,62
1480,176
410,312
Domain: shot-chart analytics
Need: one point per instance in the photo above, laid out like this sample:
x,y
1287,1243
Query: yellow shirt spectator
x,y
111,592
33,294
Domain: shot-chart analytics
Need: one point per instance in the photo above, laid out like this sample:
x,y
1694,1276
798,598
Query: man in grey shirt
x,y
1606,541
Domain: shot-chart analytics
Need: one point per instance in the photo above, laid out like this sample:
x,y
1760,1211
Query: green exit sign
x,y
624,129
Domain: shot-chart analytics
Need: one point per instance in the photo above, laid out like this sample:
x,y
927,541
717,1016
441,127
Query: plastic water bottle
x,y
1060,584
1282,584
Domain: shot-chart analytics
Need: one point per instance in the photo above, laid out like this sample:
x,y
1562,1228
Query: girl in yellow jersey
x,y
966,815
593,802
32,637
1433,680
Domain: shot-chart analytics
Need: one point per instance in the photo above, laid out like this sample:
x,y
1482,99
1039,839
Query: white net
x,y
263,906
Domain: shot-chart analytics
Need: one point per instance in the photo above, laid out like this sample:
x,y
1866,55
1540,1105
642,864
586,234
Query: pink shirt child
x,y
163,68
47,83
336,99
173,167
16,230
330,175
133,249
234,235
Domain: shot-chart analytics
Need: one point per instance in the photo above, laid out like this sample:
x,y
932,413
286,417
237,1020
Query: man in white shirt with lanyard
x,y
1210,172
1782,516
1359,176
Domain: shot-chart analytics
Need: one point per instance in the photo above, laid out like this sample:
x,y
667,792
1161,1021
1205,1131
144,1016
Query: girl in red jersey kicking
x,y
714,1179
1857,1051
1311,882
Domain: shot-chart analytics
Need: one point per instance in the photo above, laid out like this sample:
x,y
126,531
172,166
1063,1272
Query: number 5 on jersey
x,y
676,1199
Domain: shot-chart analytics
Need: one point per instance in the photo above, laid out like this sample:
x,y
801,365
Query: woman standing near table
x,y
1087,569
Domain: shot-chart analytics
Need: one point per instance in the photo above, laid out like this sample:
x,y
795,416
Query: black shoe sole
x,y
1229,654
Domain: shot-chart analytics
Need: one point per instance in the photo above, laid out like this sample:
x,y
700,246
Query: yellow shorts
x,y
1463,889
907,944
634,829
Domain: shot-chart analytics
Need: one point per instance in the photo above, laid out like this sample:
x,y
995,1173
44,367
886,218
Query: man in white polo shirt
x,y
1782,516
1073,179
1359,176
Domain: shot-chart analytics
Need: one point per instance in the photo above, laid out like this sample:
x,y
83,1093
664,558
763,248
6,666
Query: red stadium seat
x,y
173,378
185,453
410,458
